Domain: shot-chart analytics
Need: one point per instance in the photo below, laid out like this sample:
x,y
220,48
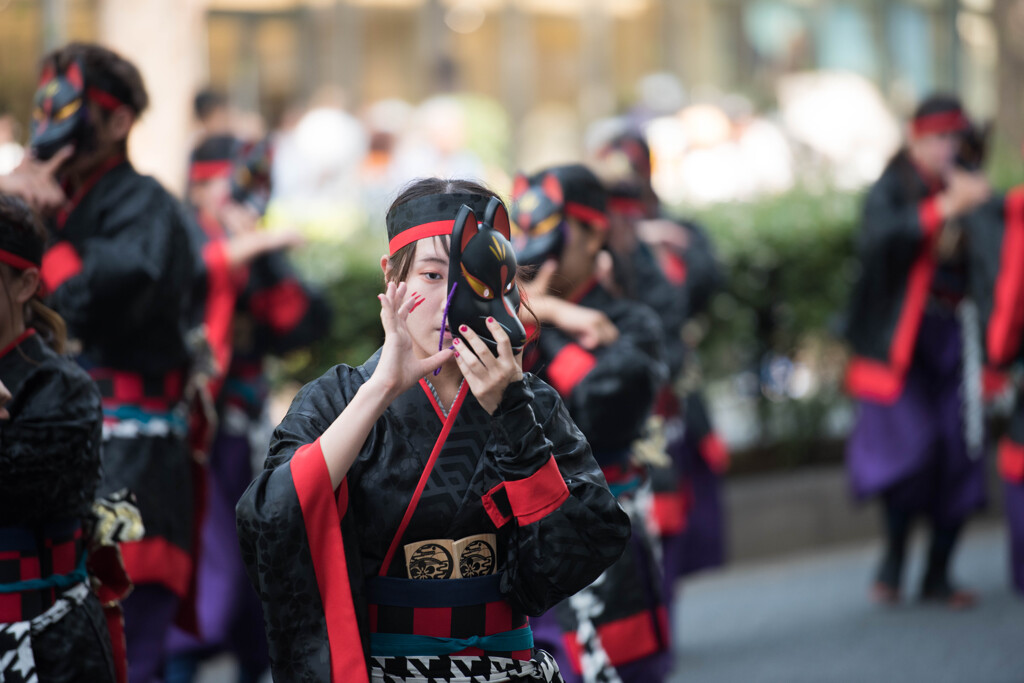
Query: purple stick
x,y
444,320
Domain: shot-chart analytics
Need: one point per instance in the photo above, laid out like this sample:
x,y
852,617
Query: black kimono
x,y
621,621
50,464
995,244
120,271
328,564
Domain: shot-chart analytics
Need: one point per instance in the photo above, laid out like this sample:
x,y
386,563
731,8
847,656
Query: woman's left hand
x,y
486,374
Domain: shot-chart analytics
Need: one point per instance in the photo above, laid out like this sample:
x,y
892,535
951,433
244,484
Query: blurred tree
x,y
1009,20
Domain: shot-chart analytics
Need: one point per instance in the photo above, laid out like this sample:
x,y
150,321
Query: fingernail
x,y
490,320
455,341
463,328
456,354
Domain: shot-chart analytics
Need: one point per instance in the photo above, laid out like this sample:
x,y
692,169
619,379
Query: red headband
x,y
201,171
952,121
590,216
16,261
410,235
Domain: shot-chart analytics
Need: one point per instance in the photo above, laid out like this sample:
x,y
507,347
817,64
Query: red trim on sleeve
x,y
60,263
157,560
220,306
715,453
1011,461
881,382
1007,319
538,495
499,518
427,469
673,266
627,640
323,530
930,215
281,306
872,380
993,382
569,367
669,513
418,232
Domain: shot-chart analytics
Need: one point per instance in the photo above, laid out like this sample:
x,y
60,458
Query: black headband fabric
x,y
429,216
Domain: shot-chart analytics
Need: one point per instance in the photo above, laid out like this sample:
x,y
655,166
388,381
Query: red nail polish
x,y
490,320
456,354
462,328
455,341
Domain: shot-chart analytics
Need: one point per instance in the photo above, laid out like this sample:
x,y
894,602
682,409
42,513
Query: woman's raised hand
x,y
399,368
486,374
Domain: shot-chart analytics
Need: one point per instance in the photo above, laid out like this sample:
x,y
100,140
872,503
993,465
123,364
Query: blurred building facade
x,y
582,59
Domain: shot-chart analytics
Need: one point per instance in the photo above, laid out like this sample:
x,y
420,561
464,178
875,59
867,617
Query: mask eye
x,y
68,110
479,287
509,286
547,225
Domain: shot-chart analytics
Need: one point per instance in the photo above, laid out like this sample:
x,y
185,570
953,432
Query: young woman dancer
x,y
52,627
415,510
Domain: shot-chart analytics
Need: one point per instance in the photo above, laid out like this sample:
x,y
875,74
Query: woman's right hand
x,y
399,368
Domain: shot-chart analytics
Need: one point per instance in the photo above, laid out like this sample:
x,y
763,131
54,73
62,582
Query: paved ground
x,y
807,619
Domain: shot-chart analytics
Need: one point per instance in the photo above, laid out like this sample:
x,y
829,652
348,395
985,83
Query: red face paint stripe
x,y
537,496
428,468
407,237
327,547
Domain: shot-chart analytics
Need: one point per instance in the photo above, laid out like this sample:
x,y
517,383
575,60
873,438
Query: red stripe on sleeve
x,y
1007,319
60,264
1011,461
323,529
157,560
538,495
930,215
715,453
569,367
220,305
872,380
281,306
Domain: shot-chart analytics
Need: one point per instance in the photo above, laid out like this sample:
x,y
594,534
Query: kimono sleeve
x,y
288,313
50,448
567,527
142,260
609,392
293,530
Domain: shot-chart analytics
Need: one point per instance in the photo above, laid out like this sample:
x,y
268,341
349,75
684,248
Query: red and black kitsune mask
x,y
482,275
60,114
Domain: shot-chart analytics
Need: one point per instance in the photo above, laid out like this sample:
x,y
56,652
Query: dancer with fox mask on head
x,y
426,503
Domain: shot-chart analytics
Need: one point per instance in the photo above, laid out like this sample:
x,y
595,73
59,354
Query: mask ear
x,y
553,189
464,229
49,71
74,75
519,186
496,216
